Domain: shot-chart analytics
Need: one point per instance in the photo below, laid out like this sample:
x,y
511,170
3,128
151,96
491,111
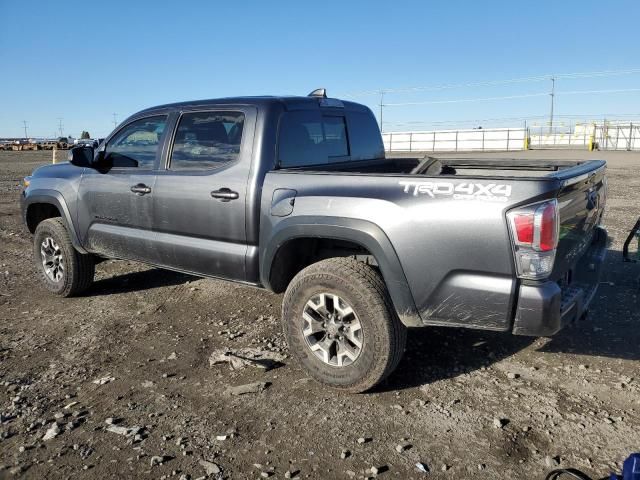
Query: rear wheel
x,y
64,271
340,323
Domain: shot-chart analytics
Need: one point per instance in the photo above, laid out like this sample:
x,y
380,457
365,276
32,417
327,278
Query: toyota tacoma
x,y
295,195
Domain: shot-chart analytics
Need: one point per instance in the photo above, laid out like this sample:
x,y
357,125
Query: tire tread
x,y
82,269
375,291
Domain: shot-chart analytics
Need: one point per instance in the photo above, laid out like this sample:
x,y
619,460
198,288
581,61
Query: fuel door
x,y
282,202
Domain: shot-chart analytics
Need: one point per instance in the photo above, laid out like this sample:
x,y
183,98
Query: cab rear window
x,y
310,137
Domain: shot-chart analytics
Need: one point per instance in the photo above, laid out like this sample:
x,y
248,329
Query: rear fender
x,y
361,232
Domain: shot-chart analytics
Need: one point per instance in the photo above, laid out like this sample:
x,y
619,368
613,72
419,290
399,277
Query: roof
x,y
260,101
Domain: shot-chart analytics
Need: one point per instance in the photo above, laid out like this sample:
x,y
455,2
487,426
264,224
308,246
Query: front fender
x,y
362,232
52,197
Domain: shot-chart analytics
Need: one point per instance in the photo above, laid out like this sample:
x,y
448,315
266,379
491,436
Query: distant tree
x,y
84,135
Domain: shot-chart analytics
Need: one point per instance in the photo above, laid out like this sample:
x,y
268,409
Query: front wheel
x,y
64,271
340,323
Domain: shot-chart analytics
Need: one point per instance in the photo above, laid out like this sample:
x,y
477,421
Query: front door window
x,y
136,145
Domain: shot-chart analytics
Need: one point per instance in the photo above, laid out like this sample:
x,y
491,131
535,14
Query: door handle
x,y
141,189
225,194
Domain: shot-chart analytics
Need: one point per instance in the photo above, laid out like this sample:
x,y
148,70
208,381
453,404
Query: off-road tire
x,y
79,268
363,288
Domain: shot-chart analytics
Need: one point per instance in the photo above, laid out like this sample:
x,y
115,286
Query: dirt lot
x,y
465,404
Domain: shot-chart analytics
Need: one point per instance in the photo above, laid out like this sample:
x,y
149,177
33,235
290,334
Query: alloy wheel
x,y
52,259
332,329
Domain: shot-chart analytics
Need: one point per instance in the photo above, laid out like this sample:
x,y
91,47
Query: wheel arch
x,y
40,204
368,237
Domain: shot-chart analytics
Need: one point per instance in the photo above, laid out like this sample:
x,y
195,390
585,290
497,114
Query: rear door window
x,y
207,140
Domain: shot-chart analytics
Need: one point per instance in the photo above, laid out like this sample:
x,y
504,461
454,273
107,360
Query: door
x,y
115,199
200,196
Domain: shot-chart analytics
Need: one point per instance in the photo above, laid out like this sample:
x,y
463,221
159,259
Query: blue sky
x,y
83,61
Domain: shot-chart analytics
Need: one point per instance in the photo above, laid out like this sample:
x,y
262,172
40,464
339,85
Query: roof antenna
x,y
319,92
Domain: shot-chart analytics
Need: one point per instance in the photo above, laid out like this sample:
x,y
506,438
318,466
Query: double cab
x,y
296,195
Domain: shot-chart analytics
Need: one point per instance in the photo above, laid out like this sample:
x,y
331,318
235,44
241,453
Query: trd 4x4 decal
x,y
491,192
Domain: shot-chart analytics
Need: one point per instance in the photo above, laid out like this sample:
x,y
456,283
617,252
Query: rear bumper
x,y
545,308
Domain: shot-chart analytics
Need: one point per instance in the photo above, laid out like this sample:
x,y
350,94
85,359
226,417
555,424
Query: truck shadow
x,y
436,353
612,330
613,327
138,281
439,353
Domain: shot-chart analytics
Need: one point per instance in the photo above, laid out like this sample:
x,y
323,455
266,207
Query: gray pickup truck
x,y
295,195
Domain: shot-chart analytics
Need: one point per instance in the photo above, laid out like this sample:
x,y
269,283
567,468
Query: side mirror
x,y
98,158
81,156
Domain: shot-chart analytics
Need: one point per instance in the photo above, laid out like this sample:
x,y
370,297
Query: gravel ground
x,y
117,384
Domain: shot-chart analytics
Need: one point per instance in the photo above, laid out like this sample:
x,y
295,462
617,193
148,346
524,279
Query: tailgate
x,y
581,203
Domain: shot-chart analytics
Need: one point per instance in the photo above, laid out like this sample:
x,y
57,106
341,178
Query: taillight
x,y
534,229
548,226
523,223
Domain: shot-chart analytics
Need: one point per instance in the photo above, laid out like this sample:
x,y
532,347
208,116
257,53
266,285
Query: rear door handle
x,y
225,194
141,189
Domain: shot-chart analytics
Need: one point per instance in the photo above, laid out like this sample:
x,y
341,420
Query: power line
x,y
469,120
603,73
511,97
465,100
446,86
612,116
490,83
24,122
115,120
616,90
562,121
60,126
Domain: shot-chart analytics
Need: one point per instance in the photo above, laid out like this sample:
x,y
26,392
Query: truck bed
x,y
446,219
465,167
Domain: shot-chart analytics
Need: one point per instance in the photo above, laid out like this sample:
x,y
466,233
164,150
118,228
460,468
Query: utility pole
x,y
115,120
553,94
60,126
24,122
381,105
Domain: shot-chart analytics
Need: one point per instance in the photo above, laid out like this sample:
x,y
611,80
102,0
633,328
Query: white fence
x,y
605,136
480,140
580,137
617,136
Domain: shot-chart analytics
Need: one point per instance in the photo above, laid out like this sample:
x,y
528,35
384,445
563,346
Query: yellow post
x,y
592,138
526,142
55,154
